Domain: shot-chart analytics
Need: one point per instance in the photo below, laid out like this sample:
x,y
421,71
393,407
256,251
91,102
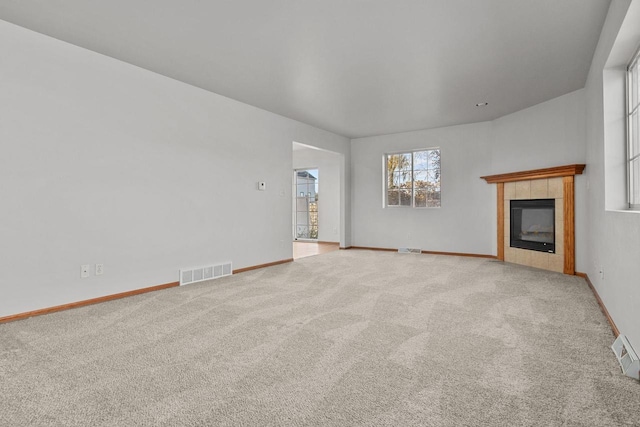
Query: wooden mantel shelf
x,y
568,170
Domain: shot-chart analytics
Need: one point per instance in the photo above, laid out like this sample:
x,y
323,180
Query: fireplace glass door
x,y
533,225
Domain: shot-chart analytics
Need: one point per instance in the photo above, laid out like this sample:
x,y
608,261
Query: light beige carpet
x,y
347,338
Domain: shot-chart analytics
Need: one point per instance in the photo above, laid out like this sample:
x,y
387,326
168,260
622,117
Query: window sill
x,y
629,211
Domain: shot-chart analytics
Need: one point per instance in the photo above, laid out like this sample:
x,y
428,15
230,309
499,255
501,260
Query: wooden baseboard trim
x,y
461,254
318,242
614,328
26,315
344,248
255,267
367,248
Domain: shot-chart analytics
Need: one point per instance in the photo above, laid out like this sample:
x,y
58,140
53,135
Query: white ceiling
x,y
353,67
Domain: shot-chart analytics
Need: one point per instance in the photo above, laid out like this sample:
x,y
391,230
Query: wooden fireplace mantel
x,y
558,171
567,173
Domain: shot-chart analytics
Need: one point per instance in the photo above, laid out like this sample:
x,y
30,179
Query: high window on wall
x,y
633,132
412,179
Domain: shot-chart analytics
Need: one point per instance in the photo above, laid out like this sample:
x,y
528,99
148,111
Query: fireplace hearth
x,y
533,225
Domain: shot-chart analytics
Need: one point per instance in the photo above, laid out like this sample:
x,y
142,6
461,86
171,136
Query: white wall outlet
x,y
99,269
262,186
84,270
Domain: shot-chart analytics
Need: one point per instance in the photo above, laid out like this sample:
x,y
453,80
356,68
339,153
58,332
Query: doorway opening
x,y
317,223
303,249
306,185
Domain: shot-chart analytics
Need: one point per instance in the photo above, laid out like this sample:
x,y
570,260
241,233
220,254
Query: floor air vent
x,y
409,250
200,274
627,357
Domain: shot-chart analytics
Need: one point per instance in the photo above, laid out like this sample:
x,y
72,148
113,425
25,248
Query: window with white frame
x,y
633,132
412,179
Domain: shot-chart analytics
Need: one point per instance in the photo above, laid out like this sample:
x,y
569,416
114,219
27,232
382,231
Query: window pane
x,y
393,160
421,199
393,198
420,160
635,182
433,199
420,179
634,86
398,162
631,138
391,183
633,134
433,177
301,204
405,197
397,179
302,232
313,214
302,219
434,159
405,162
402,178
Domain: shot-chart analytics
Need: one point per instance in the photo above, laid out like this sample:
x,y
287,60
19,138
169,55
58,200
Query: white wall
x,y
548,134
465,222
328,165
104,162
614,236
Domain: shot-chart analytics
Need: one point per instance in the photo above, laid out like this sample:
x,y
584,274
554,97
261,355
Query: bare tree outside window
x,y
413,179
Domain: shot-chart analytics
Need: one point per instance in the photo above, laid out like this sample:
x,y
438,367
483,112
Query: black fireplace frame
x,y
516,207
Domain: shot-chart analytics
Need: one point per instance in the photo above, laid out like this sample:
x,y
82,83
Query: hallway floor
x,y
305,249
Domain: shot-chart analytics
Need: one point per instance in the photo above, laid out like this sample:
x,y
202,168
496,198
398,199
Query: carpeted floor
x,y
347,338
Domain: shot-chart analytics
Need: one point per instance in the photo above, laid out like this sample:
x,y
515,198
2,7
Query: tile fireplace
x,y
542,233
